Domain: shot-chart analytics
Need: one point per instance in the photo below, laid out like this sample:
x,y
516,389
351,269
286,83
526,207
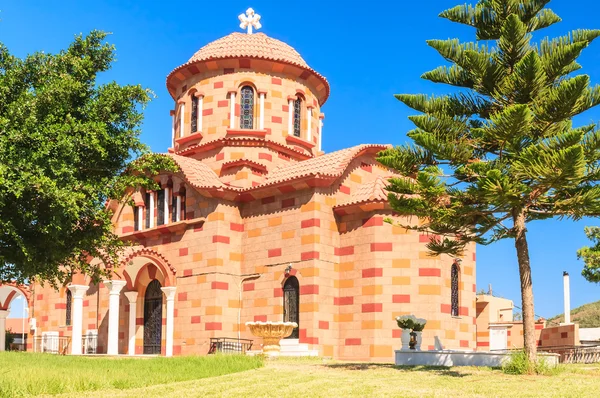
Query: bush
x,y
519,365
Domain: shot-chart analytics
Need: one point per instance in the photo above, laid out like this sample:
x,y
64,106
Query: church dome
x,y
245,47
242,45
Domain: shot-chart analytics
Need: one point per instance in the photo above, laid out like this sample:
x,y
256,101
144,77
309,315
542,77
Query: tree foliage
x,y
591,255
500,150
65,143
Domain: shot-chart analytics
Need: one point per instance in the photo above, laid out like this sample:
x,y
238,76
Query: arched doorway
x,y
291,304
153,318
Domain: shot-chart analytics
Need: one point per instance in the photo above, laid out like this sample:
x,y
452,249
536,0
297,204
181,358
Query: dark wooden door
x,y
153,318
291,304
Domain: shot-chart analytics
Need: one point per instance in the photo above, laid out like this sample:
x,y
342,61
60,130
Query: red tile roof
x,y
198,174
330,165
369,192
242,45
256,46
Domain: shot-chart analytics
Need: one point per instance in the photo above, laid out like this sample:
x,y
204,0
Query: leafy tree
x,y
501,150
591,255
65,144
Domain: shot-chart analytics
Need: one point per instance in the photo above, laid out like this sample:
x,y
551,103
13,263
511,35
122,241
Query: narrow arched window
x,y
291,304
297,116
454,290
194,121
247,108
68,307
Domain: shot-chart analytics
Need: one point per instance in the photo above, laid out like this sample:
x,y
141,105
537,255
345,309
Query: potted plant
x,y
406,323
418,326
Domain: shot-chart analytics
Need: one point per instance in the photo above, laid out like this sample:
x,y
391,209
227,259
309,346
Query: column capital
x,y
3,314
172,112
114,287
169,292
232,91
199,94
131,296
181,102
78,291
262,92
322,116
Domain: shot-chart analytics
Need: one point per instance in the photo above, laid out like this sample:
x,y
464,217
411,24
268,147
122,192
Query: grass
x,y
28,374
325,378
293,377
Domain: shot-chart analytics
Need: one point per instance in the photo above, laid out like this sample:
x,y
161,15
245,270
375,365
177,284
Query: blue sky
x,y
367,54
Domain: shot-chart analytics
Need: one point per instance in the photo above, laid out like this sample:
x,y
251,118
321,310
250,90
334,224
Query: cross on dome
x,y
250,20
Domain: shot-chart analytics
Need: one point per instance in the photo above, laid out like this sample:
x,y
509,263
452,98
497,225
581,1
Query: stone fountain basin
x,y
272,333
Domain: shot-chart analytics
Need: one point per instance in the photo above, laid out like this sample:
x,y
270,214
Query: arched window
x,y
68,312
194,121
454,290
297,116
291,304
153,318
247,108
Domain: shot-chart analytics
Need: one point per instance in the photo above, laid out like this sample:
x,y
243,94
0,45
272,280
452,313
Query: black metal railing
x,y
229,345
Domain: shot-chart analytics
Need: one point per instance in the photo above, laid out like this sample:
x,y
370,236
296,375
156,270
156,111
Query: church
x,y
259,224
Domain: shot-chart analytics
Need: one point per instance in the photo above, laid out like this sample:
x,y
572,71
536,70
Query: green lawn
x,y
27,374
285,377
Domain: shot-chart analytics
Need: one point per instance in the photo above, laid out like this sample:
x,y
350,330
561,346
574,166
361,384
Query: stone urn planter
x,y
272,333
405,339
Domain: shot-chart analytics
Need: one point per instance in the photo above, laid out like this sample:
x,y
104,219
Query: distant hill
x,y
588,316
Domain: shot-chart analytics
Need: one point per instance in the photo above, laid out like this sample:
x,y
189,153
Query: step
x,y
307,353
286,342
298,347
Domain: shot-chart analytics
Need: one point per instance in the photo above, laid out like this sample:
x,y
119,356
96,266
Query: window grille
x,y
454,289
247,108
194,122
297,116
68,313
160,198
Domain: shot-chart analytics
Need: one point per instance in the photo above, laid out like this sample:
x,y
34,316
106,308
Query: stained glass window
x,y
247,108
297,116
454,289
194,114
69,302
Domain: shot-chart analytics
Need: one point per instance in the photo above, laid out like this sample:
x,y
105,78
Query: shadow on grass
x,y
438,370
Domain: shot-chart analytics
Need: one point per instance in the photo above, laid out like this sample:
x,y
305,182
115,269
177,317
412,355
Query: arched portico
x,y
8,292
139,268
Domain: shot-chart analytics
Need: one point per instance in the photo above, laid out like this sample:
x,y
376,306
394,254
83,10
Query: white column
x,y
141,220
132,297
320,139
261,120
181,119
114,291
309,125
167,219
290,116
3,315
172,127
178,208
232,110
200,107
150,208
77,294
567,296
170,295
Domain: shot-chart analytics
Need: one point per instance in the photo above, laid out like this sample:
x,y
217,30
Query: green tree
x,y
500,151
65,146
591,255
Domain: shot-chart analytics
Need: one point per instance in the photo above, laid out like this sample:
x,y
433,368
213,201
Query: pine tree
x,y
500,150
